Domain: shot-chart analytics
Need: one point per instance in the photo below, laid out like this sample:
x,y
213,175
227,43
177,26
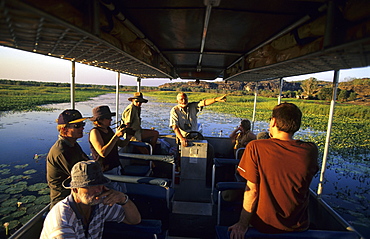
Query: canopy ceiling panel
x,y
231,39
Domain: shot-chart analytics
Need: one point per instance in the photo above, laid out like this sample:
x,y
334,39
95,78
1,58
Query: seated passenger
x,y
242,135
131,117
104,143
263,135
64,153
279,172
82,214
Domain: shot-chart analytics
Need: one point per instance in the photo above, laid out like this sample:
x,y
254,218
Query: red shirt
x,y
283,171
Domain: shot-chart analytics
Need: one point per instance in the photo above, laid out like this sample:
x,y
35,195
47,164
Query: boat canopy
x,y
205,40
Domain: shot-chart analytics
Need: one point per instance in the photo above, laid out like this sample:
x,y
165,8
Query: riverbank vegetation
x,y
30,95
350,130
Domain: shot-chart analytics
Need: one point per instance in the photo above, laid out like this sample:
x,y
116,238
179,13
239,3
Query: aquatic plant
x,y
28,199
31,171
42,200
21,166
37,186
6,225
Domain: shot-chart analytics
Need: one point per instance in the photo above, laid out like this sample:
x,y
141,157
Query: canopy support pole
x,y
73,84
117,98
280,90
254,106
328,132
138,84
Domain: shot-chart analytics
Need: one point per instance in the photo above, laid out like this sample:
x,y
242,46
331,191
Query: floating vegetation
x,y
28,199
6,210
21,166
44,191
17,188
31,171
35,209
3,187
37,187
10,202
6,180
17,177
13,224
4,165
18,213
42,200
4,197
5,171
26,218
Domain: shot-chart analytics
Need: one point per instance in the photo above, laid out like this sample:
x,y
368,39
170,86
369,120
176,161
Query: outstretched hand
x,y
221,98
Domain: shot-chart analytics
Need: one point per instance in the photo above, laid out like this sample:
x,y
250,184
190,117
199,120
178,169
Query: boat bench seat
x,y
146,229
223,233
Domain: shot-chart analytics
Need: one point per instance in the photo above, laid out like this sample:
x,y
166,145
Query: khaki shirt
x,y
185,118
132,115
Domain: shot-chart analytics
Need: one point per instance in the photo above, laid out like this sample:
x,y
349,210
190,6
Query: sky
x,y
21,65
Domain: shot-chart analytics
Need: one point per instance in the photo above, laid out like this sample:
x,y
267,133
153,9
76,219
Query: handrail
x,y
163,158
135,179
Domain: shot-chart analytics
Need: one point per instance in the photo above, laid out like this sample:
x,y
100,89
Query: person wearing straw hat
x,y
279,172
64,153
104,143
131,117
83,213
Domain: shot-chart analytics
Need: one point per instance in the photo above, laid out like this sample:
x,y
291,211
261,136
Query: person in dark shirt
x,y
104,143
65,153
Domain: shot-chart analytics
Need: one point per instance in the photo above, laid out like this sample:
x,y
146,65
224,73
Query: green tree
x,y
325,93
343,95
309,86
352,96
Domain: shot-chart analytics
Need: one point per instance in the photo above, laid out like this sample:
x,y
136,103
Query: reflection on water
x,y
26,138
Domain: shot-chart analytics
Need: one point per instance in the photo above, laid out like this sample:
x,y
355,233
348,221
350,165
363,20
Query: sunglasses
x,y
77,125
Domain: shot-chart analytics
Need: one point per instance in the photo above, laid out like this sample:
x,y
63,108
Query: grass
x,y
350,129
17,98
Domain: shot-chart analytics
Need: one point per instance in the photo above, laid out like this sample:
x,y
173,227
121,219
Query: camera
x,y
129,131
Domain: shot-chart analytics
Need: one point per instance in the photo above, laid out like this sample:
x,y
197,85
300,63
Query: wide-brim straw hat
x,y
138,96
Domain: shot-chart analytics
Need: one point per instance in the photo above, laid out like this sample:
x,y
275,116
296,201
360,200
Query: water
x,y
26,134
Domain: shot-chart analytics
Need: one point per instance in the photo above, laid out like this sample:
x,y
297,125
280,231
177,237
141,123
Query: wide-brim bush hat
x,y
85,174
138,96
101,112
70,116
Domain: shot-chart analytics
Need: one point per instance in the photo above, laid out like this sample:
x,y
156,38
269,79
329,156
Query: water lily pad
x,y
21,166
35,209
4,197
26,218
44,191
6,219
17,177
27,199
6,180
3,187
10,202
5,171
18,213
17,188
6,210
13,224
31,171
4,165
42,200
37,186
